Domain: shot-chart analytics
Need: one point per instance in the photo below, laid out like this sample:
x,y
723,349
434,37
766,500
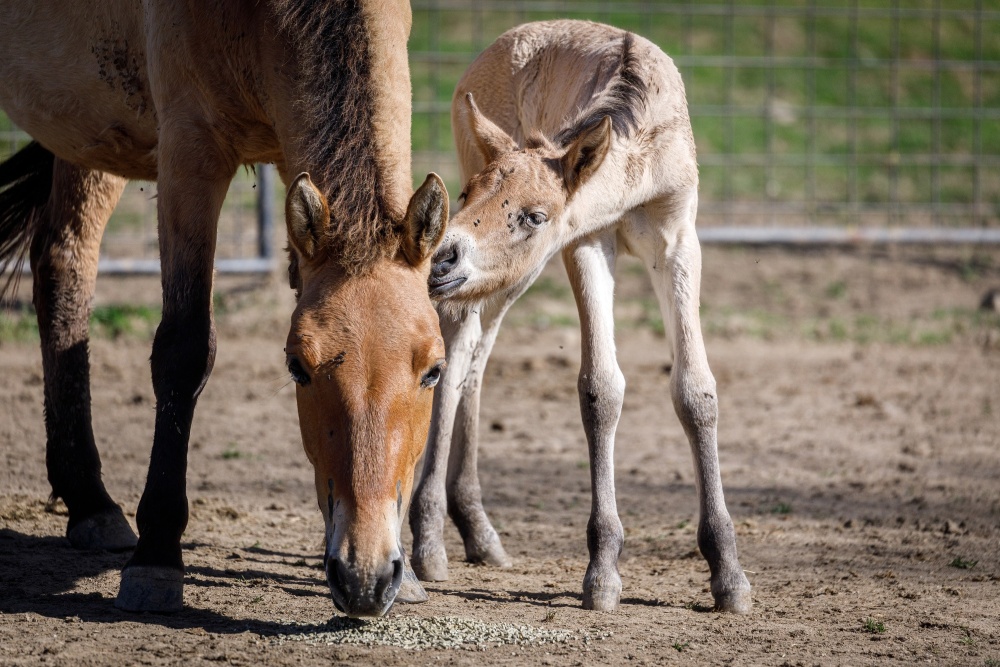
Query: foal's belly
x,y
73,76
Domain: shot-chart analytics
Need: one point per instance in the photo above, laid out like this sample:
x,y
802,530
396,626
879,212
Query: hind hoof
x,y
108,531
150,588
410,590
432,568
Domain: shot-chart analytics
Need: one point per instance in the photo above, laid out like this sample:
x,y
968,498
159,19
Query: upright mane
x,y
622,100
337,107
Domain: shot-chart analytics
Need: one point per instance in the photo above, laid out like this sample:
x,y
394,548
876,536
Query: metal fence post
x,y
265,211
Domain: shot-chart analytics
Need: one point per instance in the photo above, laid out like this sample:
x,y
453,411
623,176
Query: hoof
x,y
601,600
431,568
107,531
737,602
493,555
410,590
150,588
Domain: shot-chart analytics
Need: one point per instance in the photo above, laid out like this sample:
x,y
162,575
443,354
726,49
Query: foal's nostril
x,y
445,259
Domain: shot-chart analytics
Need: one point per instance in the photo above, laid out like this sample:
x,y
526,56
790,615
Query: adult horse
x,y
582,145
185,93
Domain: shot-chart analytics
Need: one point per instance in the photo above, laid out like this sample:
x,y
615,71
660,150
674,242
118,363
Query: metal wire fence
x,y
875,118
877,114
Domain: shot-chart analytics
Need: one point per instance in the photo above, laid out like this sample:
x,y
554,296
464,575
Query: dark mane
x,y
622,101
336,106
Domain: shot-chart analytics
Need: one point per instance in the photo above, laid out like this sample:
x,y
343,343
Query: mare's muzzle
x,y
363,594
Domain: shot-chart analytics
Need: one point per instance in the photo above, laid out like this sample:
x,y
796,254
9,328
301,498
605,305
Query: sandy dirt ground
x,y
860,448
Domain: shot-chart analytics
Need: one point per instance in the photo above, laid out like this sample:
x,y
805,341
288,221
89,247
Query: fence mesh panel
x,y
836,113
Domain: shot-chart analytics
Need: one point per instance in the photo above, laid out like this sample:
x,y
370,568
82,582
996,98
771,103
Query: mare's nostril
x,y
388,585
335,577
445,260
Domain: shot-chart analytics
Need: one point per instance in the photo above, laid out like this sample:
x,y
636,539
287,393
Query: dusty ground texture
x,y
860,448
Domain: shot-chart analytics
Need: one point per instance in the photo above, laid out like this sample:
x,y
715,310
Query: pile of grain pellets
x,y
429,633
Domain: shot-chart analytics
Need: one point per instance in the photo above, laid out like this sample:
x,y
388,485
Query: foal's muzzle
x,y
357,594
445,271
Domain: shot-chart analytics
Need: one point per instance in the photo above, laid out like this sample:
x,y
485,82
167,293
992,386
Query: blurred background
x,y
827,115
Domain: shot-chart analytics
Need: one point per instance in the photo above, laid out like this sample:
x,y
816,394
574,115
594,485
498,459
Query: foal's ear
x,y
425,221
586,154
490,139
306,215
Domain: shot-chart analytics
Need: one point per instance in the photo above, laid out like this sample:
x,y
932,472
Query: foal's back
x,y
542,77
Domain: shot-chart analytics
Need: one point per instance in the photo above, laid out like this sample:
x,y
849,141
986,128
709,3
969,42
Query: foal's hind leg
x,y
673,259
64,266
590,264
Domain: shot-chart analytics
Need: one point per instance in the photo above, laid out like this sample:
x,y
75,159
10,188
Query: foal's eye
x,y
461,197
432,377
298,373
534,219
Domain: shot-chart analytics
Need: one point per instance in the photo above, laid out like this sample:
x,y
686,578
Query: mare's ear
x,y
307,216
425,221
490,139
585,154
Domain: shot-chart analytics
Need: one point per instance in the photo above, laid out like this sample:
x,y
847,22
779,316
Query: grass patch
x,y
115,321
962,564
873,626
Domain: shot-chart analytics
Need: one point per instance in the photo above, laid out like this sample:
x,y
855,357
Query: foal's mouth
x,y
445,285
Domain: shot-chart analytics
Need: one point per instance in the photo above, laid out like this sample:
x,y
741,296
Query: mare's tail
x,y
25,185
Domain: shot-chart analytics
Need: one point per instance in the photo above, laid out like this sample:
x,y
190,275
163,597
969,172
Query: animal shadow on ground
x,y
40,574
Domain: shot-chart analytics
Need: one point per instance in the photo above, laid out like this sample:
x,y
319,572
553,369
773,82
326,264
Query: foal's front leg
x,y
465,496
462,333
192,186
590,264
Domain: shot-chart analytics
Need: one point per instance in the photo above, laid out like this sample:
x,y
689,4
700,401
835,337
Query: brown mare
x,y
185,93
581,143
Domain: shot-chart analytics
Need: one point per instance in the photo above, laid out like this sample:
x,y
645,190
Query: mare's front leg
x,y
194,178
674,265
590,264
64,267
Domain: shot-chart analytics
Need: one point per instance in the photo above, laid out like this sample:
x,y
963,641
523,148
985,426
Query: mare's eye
x,y
432,377
298,373
534,219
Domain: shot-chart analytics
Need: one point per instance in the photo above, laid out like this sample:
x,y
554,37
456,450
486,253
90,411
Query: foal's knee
x,y
602,393
696,403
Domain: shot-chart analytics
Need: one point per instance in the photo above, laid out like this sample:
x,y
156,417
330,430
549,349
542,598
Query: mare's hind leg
x,y
64,266
590,264
193,180
672,255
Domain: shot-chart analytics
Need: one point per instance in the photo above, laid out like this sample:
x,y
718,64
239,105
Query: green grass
x,y
962,564
873,626
110,321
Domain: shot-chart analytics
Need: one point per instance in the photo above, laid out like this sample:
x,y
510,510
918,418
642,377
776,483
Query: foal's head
x,y
365,352
513,211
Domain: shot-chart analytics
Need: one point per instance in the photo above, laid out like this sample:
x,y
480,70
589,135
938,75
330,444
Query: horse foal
x,y
572,137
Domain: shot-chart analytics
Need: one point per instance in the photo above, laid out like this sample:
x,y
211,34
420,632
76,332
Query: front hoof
x,y
601,600
410,590
736,602
432,567
108,531
150,588
602,592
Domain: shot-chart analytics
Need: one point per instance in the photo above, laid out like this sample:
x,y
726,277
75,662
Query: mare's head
x,y
513,215
365,351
